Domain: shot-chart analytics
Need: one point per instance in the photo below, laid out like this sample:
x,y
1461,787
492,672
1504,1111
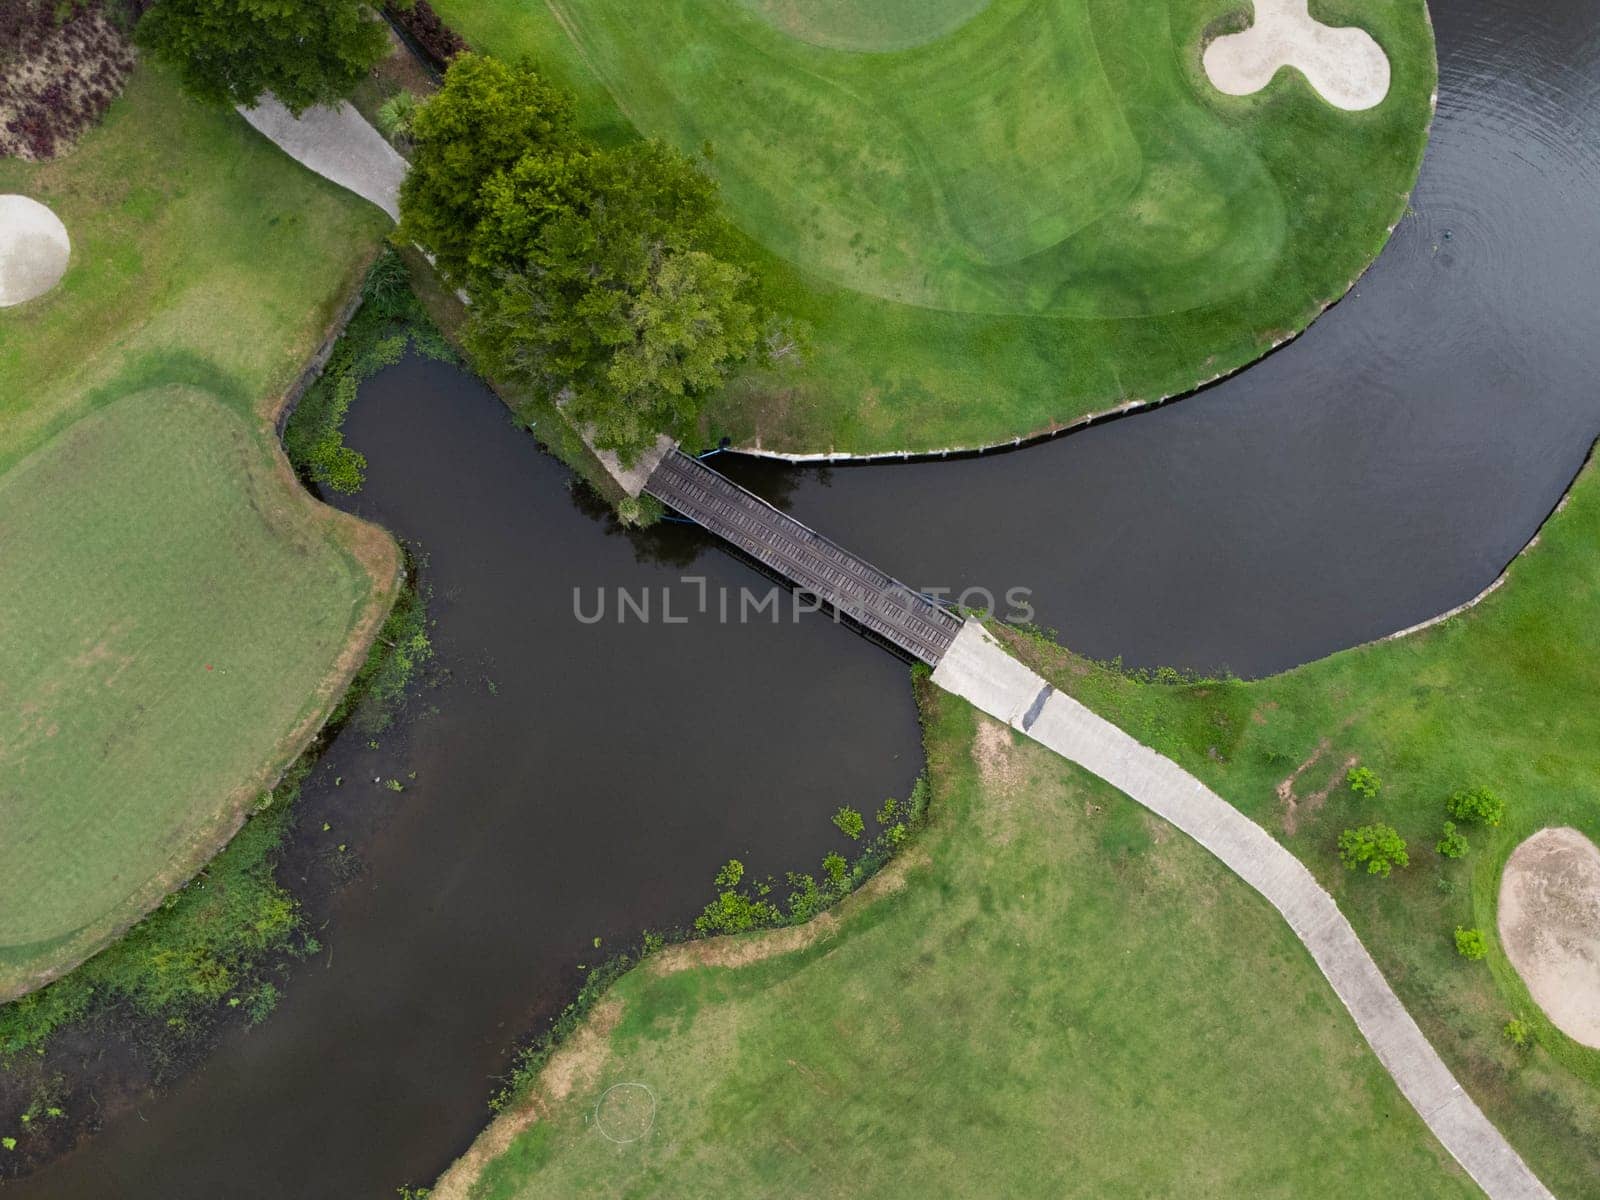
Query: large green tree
x,y
489,118
304,52
599,277
615,302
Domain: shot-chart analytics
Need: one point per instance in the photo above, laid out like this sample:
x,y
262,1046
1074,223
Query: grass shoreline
x,y
753,989
891,379
1488,694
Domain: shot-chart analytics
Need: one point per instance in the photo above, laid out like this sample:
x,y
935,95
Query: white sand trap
x,y
1550,927
34,249
1343,63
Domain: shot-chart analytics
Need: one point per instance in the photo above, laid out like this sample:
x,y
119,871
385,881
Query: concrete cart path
x,y
980,671
338,144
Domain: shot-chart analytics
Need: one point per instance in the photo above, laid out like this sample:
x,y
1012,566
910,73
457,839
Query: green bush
x,y
1363,781
1477,804
806,899
396,113
837,872
849,822
1470,944
1518,1032
1452,844
1379,848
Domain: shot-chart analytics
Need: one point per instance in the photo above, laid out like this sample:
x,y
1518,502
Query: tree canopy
x,y
599,276
489,118
304,52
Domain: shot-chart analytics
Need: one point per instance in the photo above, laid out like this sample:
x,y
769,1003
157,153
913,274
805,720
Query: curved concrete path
x,y
977,669
338,144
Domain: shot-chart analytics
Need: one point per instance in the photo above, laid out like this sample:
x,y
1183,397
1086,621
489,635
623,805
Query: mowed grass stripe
x,y
167,611
1065,998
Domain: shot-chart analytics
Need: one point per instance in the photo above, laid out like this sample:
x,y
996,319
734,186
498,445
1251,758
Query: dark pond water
x,y
576,781
1380,469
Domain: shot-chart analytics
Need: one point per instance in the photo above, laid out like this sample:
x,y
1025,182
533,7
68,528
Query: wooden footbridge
x,y
880,604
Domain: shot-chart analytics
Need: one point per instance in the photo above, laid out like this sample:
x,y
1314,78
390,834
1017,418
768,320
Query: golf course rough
x,y
998,217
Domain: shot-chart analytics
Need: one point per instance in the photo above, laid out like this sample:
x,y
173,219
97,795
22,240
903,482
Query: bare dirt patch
x,y
739,950
1296,807
577,1063
1005,781
1549,922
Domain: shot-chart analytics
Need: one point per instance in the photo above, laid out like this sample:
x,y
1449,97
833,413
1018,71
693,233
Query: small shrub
x,y
837,871
1379,848
394,115
1477,804
1518,1032
730,874
806,899
1363,781
1452,844
849,822
735,912
1470,944
259,1003
9,1143
916,806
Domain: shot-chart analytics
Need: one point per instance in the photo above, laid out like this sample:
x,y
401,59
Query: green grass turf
x,y
149,525
1007,215
1501,696
201,254
1066,998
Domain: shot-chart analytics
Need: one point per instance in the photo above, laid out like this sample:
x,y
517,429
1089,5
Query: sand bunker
x,y
1344,64
34,249
1550,927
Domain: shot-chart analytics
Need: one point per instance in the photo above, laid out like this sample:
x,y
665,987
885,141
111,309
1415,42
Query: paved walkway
x,y
979,670
338,144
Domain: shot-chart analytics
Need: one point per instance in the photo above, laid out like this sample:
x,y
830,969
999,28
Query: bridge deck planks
x,y
814,565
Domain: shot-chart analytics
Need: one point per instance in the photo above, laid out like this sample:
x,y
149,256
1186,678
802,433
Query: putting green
x,y
173,616
999,216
